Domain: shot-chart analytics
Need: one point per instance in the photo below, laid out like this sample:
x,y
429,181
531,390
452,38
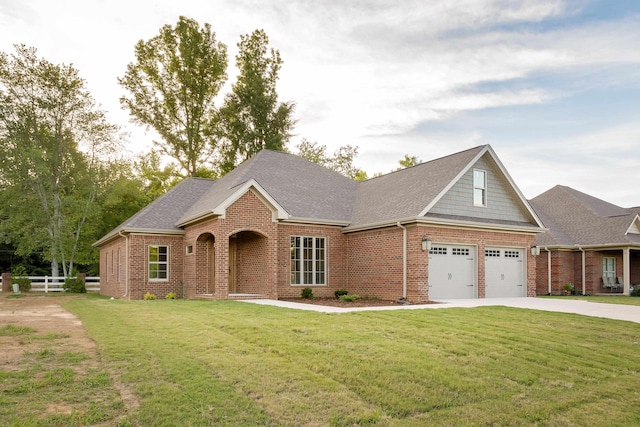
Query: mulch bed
x,y
334,302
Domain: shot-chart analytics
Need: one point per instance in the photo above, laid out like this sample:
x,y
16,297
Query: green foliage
x,y
172,85
341,292
306,293
341,161
349,298
13,330
408,161
251,117
149,296
52,142
170,295
635,292
75,285
19,276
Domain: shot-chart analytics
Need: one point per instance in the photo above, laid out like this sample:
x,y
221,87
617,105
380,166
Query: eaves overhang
x,y
450,223
130,230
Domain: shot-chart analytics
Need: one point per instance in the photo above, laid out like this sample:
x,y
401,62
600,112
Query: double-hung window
x,y
158,262
308,260
479,187
609,269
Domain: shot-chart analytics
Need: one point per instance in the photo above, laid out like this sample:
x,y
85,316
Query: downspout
x,y
584,272
126,263
548,270
404,260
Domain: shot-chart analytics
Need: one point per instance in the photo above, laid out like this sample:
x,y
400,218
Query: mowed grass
x,y
608,299
233,363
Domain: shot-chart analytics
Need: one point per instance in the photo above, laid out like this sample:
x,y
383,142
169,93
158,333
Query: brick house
x,y
454,227
590,243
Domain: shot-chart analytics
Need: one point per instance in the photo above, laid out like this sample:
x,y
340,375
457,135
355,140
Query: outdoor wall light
x,y
535,250
426,244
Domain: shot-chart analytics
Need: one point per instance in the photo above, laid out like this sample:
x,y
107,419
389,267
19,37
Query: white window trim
x,y
484,189
313,260
149,262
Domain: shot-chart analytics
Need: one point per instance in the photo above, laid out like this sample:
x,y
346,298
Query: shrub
x,y
307,293
341,292
170,295
635,292
19,276
75,285
349,298
149,296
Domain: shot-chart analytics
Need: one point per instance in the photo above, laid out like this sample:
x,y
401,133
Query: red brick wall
x,y
139,283
374,260
113,270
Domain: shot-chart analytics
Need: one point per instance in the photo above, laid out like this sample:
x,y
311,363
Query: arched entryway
x,y
250,265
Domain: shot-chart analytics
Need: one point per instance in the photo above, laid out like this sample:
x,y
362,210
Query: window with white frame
x,y
158,262
479,187
308,260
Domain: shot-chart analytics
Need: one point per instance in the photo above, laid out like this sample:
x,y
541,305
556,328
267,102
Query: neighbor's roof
x,y
575,218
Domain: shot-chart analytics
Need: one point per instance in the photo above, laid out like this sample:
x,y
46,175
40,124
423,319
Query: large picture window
x,y
158,264
479,187
308,260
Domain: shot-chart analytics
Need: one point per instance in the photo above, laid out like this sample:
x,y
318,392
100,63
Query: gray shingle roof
x,y
405,193
163,213
575,218
303,188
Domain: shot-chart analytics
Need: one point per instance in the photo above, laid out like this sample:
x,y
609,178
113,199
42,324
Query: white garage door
x,y
451,272
504,272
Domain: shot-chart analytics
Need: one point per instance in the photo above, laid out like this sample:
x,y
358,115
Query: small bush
x,y
635,292
19,276
349,298
307,293
149,296
75,285
341,292
170,295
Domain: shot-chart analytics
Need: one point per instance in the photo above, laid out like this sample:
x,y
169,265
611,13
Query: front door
x,y
232,265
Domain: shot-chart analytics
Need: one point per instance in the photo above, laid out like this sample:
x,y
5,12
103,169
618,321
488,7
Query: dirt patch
x,y
56,330
46,317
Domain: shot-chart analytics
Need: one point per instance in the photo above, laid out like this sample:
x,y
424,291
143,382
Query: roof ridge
x,y
427,162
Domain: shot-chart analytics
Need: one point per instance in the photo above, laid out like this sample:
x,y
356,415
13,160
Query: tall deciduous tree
x,y
172,85
341,161
252,118
52,139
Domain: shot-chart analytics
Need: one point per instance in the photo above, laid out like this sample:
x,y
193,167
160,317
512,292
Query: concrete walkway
x,y
630,313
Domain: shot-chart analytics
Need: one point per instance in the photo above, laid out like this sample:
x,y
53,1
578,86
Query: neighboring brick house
x,y
455,227
592,244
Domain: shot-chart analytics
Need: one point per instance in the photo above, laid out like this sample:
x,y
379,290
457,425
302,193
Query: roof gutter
x,y
404,260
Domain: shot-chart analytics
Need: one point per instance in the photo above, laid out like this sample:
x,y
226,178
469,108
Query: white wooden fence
x,y
55,284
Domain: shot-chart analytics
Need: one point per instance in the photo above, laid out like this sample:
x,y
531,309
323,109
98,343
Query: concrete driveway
x,y
629,313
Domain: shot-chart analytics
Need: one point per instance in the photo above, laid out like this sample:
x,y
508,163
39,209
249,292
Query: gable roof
x,y
578,219
302,189
410,194
161,215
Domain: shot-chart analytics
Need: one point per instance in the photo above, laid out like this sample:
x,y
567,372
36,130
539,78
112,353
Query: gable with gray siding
x,y
501,199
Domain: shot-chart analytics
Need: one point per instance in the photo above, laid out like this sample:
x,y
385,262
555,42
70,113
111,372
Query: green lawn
x,y
201,363
613,299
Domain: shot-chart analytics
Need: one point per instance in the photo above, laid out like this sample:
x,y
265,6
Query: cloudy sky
x,y
552,85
